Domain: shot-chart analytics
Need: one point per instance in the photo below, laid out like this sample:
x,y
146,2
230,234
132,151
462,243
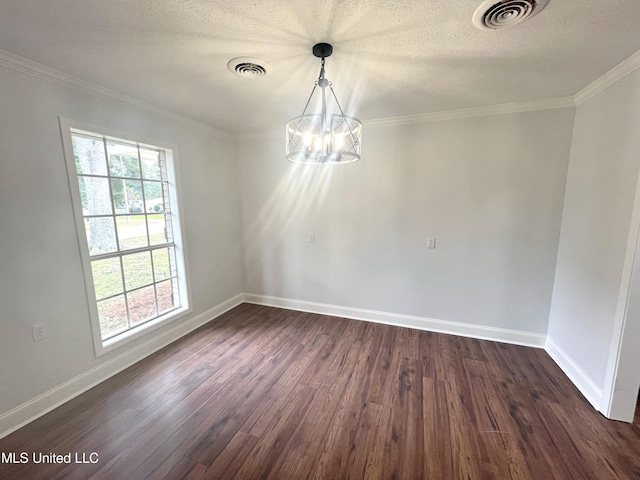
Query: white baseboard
x,y
578,377
38,406
42,404
504,335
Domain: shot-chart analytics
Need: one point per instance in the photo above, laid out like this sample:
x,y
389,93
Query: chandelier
x,y
325,137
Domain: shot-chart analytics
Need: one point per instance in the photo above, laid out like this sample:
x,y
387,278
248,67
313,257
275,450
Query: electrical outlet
x,y
312,238
431,242
38,332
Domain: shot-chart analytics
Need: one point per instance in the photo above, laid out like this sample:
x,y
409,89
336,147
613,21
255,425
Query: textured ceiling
x,y
391,58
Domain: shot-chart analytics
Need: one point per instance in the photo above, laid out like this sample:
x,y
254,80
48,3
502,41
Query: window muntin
x,y
128,218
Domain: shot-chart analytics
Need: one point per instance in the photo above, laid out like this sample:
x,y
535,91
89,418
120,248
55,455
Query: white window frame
x,y
101,347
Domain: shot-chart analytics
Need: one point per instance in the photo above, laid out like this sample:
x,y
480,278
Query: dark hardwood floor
x,y
265,393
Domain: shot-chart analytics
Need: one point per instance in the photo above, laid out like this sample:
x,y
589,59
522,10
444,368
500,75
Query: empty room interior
x,y
320,240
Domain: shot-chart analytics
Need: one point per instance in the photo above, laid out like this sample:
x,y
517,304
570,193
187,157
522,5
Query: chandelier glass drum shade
x,y
328,136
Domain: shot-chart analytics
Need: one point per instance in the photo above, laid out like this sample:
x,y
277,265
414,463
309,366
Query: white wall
x,y
41,276
489,189
594,241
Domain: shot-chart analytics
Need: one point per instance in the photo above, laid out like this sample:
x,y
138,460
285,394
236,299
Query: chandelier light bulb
x,y
307,139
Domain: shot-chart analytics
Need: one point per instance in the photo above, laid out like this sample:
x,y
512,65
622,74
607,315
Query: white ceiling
x,y
391,58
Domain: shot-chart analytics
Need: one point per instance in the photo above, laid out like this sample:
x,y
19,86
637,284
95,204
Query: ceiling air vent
x,y
494,14
248,67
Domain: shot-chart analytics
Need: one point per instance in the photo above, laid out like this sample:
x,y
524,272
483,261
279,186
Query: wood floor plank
x,y
340,439
439,463
300,372
133,443
315,426
463,431
267,455
296,466
382,373
405,433
232,458
380,444
265,393
241,401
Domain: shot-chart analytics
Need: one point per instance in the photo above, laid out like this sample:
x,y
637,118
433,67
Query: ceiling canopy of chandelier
x,y
328,136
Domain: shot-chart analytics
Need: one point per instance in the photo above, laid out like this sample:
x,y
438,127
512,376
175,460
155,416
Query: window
x,y
126,212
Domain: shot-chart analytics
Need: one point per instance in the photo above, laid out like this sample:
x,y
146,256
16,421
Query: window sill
x,y
139,331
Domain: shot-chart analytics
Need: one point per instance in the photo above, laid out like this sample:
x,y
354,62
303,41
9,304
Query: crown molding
x,y
35,69
612,76
500,109
241,137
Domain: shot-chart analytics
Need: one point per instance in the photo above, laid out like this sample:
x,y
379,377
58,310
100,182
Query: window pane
x,y
107,277
119,196
142,304
167,295
113,316
153,198
150,160
127,196
161,267
132,231
101,235
89,155
137,270
123,160
95,195
157,229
